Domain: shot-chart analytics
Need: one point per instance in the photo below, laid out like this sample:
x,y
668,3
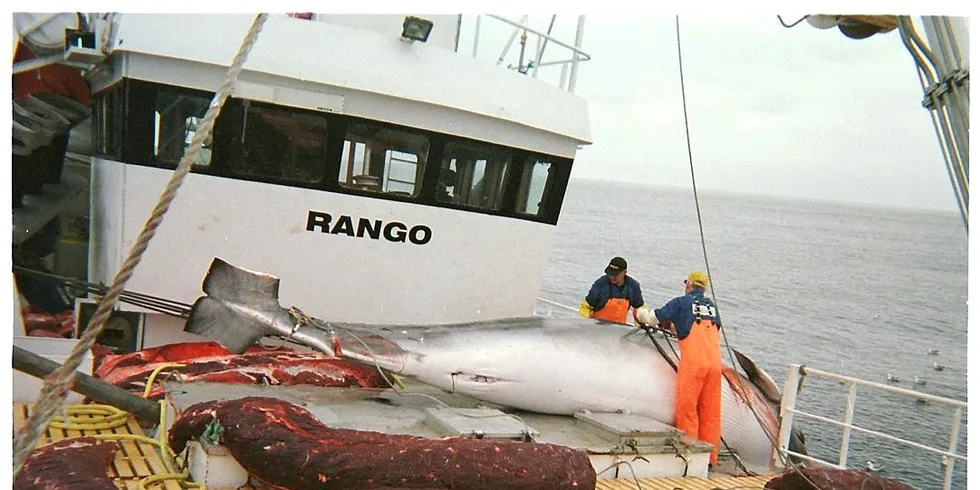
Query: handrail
x,y
788,410
883,387
542,35
566,82
555,303
629,321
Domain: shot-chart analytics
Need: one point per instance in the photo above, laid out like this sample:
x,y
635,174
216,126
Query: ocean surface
x,y
858,290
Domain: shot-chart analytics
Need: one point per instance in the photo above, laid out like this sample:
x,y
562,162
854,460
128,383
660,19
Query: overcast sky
x,y
795,112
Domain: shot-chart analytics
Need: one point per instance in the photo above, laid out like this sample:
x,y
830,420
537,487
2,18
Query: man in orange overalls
x,y
694,319
612,295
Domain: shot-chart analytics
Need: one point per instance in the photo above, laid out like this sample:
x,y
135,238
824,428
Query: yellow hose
x,y
106,417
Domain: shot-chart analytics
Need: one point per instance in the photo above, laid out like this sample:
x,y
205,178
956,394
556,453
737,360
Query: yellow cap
x,y
698,279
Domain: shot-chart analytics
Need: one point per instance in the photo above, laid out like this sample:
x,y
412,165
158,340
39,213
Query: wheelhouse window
x,y
108,120
383,160
176,119
473,174
537,180
280,144
152,124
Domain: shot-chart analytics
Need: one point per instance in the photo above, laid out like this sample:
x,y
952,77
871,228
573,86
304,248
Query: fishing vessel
x,y
392,178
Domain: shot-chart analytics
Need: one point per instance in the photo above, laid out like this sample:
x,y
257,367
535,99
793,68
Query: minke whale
x,y
548,365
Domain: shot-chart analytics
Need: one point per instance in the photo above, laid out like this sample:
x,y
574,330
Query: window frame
x,y
130,105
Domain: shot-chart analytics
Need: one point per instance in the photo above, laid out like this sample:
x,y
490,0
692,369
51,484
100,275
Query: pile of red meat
x,y
39,323
76,464
210,362
284,446
829,478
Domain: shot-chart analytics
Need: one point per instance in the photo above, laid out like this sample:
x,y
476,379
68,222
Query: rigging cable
x,y
704,249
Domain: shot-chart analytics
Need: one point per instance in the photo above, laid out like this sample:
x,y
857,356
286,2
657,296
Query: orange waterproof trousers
x,y
616,310
697,410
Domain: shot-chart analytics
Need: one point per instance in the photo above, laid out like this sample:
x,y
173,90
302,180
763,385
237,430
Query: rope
x,y
106,417
57,385
704,248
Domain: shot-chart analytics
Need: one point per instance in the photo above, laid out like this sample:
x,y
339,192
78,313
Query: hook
x,y
793,24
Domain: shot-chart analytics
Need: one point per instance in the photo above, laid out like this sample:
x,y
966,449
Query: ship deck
x,y
137,461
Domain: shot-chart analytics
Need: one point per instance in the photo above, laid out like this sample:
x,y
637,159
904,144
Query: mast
x,y
942,64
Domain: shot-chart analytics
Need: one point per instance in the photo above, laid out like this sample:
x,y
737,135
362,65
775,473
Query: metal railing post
x,y
542,43
579,32
954,437
513,36
786,407
848,419
476,35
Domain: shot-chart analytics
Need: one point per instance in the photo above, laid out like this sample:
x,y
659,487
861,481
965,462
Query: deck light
x,y
823,21
416,29
855,26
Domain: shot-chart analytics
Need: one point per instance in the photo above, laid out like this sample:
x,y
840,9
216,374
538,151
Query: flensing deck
x,y
688,483
138,460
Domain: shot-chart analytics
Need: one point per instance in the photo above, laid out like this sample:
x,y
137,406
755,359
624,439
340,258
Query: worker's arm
x,y
667,313
641,313
586,309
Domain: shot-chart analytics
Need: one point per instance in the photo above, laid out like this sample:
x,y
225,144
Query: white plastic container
x,y
27,388
215,467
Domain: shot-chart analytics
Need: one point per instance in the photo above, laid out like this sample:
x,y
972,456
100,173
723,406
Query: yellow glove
x,y
585,309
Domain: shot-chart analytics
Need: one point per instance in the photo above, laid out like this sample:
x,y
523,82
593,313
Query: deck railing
x,y
569,67
788,411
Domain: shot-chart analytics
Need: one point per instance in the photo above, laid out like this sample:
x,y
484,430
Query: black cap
x,y
616,265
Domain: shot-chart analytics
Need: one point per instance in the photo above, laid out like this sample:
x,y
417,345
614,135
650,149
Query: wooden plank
x,y
667,483
156,464
608,484
656,484
122,466
134,427
152,456
133,455
122,461
686,483
690,483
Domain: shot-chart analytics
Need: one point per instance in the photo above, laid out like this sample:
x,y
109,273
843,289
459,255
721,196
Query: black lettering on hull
x,y
316,218
373,229
420,234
